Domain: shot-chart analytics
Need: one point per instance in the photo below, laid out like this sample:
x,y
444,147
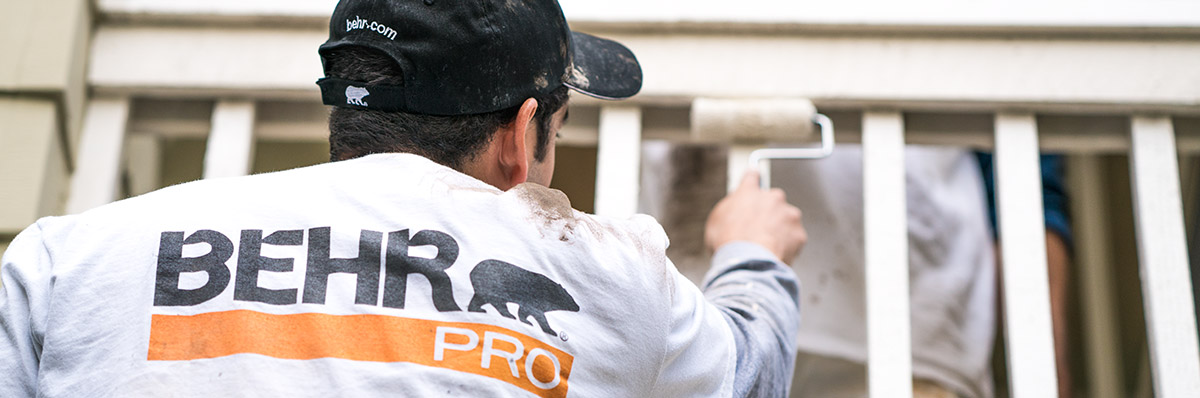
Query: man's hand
x,y
757,216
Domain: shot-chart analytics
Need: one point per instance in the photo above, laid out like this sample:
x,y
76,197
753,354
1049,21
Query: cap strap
x,y
355,94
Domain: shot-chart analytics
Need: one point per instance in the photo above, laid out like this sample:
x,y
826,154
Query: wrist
x,y
743,250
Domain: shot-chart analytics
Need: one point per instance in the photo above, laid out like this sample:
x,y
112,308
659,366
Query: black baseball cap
x,y
471,57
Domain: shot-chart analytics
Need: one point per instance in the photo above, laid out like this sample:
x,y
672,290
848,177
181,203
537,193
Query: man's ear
x,y
514,147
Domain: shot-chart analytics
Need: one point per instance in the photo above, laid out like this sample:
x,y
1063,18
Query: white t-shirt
x,y
388,275
951,260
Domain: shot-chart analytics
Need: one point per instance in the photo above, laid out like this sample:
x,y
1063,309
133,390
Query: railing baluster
x,y
885,221
97,173
618,161
230,151
1162,252
739,161
1026,292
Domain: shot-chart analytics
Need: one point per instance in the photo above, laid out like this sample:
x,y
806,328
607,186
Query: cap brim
x,y
603,68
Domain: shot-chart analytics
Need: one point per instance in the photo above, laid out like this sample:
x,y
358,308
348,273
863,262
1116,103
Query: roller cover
x,y
752,120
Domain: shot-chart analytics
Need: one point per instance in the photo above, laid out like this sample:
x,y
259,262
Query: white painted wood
x,y
1162,253
1102,343
885,222
281,62
1012,15
313,8
230,150
1028,329
618,161
97,173
1009,14
308,121
899,68
871,69
739,162
143,158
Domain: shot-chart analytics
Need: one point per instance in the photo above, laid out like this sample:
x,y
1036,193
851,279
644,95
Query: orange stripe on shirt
x,y
374,338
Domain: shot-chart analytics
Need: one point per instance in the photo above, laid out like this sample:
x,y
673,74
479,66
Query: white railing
x,y
1026,294
885,223
1031,354
1175,358
1162,251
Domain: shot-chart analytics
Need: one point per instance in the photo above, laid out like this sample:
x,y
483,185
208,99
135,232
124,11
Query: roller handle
x,y
823,151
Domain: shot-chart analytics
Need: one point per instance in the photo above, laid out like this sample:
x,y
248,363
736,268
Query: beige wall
x,y
41,105
32,165
45,47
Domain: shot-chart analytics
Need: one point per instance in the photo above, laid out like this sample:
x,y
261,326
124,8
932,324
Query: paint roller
x,y
752,123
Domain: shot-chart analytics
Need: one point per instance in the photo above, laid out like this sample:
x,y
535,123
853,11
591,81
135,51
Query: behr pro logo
x,y
381,271
359,23
355,95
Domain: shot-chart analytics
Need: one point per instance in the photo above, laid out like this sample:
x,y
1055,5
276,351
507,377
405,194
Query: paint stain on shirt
x,y
551,210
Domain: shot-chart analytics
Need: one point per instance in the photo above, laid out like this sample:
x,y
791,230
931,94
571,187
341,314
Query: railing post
x,y
230,151
1162,252
1026,292
739,162
885,221
618,161
97,175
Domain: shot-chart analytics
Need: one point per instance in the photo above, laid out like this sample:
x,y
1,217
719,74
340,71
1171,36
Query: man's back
x,y
384,274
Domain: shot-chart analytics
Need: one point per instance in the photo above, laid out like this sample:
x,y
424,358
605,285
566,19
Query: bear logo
x,y
354,95
499,283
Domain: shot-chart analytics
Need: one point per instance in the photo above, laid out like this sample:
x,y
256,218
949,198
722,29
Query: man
x,y
429,260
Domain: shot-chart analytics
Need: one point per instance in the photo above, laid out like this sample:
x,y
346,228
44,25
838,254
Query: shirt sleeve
x,y
1055,197
748,313
24,285
759,297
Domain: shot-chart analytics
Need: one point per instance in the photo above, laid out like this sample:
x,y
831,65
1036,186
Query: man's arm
x,y
1058,262
24,278
760,300
754,233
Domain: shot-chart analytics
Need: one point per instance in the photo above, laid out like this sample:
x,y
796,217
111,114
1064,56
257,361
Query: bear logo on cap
x,y
354,95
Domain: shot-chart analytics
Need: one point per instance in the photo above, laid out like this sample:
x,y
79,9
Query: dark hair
x,y
449,140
